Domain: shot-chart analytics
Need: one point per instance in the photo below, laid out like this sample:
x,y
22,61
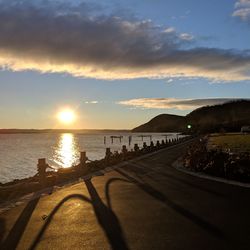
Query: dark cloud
x,y
79,40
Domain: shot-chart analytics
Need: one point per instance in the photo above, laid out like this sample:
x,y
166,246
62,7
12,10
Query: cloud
x,y
242,3
169,80
91,102
242,10
169,30
82,41
182,36
173,103
186,36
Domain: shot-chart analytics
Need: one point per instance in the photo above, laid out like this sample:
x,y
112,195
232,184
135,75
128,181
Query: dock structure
x,y
145,136
166,136
120,137
129,140
116,137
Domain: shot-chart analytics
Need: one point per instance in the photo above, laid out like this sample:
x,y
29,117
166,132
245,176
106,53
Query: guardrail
x,y
111,158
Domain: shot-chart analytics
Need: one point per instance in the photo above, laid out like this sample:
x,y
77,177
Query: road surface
x,y
144,204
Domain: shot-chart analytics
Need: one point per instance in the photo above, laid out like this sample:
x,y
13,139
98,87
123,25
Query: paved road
x,y
145,204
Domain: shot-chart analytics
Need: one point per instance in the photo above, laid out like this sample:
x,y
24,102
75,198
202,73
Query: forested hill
x,y
228,116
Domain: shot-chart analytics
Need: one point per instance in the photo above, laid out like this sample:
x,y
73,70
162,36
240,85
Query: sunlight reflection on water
x,y
19,152
67,152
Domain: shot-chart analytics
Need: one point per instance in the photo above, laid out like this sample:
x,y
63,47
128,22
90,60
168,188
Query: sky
x,y
118,63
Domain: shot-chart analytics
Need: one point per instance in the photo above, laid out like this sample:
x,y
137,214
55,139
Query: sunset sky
x,y
119,63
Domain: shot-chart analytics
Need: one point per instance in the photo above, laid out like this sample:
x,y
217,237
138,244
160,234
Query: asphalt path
x,y
142,204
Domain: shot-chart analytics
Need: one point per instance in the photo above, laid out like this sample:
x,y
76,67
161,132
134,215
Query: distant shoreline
x,y
54,131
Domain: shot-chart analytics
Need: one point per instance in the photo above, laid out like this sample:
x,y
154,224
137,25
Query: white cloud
x,y
169,30
242,10
186,37
170,80
91,102
173,103
242,3
243,13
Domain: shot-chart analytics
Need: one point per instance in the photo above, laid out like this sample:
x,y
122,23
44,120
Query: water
x,y
19,152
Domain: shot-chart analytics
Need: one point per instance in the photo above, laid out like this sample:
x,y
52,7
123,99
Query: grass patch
x,y
235,142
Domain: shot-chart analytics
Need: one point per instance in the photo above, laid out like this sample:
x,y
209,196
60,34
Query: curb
x,y
178,166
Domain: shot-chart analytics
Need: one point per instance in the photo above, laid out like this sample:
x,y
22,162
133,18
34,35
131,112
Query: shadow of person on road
x,y
105,216
107,219
52,214
107,189
15,234
181,210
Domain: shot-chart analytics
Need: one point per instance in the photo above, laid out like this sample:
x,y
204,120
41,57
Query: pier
x,y
116,137
145,136
119,137
166,136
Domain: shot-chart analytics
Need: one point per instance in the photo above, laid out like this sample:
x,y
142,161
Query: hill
x,y
229,116
162,123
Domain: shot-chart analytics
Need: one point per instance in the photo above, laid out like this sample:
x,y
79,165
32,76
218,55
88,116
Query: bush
x,y
217,162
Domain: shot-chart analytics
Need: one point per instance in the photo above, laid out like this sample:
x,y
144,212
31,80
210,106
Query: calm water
x,y
19,152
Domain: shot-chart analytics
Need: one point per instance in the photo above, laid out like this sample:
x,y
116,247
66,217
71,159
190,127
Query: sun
x,y
66,116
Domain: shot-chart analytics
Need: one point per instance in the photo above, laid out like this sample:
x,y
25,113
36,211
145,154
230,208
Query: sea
x,y
19,153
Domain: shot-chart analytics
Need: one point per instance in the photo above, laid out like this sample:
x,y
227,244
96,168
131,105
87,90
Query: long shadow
x,y
15,234
183,211
52,214
193,185
177,179
107,219
2,229
107,189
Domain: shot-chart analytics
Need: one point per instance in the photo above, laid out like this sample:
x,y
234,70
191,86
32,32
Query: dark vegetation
x,y
216,162
227,117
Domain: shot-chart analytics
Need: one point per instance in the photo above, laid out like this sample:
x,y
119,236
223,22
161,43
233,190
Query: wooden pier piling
x,y
145,136
83,158
116,137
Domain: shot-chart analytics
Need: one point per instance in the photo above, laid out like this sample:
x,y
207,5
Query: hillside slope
x,y
162,123
228,116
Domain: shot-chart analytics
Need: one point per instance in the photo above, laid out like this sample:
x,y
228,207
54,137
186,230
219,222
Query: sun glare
x,y
66,116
